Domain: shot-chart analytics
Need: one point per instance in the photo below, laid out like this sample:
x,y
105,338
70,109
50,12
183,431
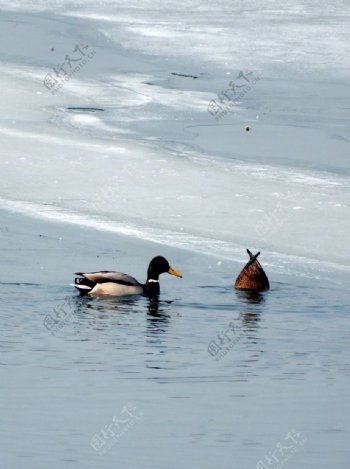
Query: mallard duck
x,y
118,284
252,276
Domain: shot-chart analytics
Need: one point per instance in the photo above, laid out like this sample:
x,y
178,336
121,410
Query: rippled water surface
x,y
283,366
126,159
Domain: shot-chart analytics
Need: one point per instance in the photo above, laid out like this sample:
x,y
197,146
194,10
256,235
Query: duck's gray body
x,y
113,283
108,283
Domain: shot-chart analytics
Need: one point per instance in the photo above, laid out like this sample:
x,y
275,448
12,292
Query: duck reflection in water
x,y
98,313
157,324
250,320
250,296
156,308
113,304
159,312
251,317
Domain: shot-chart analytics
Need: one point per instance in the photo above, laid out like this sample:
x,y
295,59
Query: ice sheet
x,y
152,162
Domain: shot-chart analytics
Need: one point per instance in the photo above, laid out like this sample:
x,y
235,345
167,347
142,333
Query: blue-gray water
x,y
206,378
287,368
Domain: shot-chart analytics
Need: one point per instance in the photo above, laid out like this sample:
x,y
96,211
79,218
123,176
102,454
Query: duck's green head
x,y
159,265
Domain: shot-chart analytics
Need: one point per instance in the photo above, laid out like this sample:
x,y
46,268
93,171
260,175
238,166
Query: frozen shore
x,y
152,162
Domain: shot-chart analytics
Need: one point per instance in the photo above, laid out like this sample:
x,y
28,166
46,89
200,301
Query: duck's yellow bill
x,y
171,271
